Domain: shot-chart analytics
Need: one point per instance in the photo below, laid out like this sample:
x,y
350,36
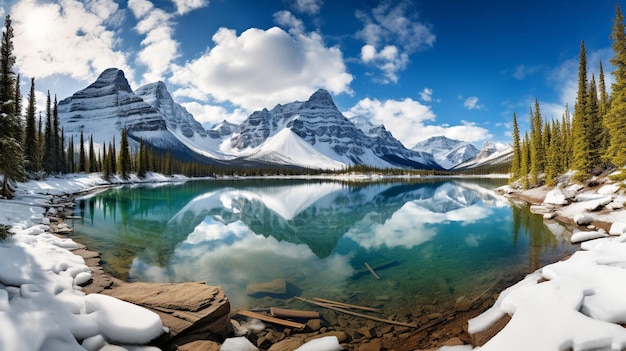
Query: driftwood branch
x,y
271,319
337,309
346,305
369,268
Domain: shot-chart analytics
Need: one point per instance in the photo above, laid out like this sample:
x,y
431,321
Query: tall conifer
x,y
580,143
615,120
124,158
525,161
537,152
82,158
516,161
31,148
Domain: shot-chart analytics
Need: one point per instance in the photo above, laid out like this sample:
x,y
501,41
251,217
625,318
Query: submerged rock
x,y
275,287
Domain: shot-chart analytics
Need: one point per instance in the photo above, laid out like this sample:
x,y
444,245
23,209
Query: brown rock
x,y
191,311
200,345
314,324
453,342
463,304
341,336
481,338
288,344
276,287
374,345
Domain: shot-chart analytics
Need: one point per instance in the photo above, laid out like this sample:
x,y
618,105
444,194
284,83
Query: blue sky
x,y
458,68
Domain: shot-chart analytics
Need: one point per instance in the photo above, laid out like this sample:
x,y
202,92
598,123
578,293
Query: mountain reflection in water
x,y
447,238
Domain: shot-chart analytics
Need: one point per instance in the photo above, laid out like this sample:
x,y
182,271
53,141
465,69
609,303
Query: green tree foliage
x,y
516,161
537,152
124,158
604,104
82,158
49,156
525,161
580,142
12,160
71,163
93,161
615,120
31,148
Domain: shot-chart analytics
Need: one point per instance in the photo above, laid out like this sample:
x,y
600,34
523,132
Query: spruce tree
x,y
31,148
580,143
93,162
12,160
515,162
113,158
615,120
124,158
71,166
566,135
537,152
49,161
59,160
593,128
525,161
82,158
603,105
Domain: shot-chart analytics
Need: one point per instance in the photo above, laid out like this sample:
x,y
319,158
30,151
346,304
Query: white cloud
x,y
399,34
407,120
426,95
471,103
67,38
186,6
521,71
311,7
211,114
159,49
260,68
288,20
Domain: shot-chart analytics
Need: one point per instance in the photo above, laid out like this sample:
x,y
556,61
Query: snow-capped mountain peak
x,y
447,152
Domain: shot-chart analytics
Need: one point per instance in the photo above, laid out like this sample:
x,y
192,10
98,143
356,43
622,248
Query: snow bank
x,y
238,344
582,219
326,343
580,307
618,228
556,196
41,304
584,236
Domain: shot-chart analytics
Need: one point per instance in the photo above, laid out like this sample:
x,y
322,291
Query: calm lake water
x,y
430,241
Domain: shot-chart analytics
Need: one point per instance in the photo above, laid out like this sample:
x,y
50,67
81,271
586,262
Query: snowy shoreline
x,y
576,303
49,274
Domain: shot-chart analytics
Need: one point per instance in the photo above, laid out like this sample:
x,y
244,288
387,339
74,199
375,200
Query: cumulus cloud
x,y
261,68
426,95
522,71
311,7
472,103
159,49
391,34
407,120
73,38
186,6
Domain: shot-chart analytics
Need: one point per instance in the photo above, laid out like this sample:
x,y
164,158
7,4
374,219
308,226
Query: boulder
x,y
275,287
191,311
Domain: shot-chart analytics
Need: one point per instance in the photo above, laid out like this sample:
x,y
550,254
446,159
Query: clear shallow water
x,y
438,239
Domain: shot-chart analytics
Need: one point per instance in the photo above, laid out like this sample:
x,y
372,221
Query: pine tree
x,y
142,161
31,149
59,160
593,128
12,160
82,158
537,152
566,135
615,120
603,105
106,167
71,166
124,158
525,161
580,143
515,162
113,158
93,162
48,161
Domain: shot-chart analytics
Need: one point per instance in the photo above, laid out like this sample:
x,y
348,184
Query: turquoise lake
x,y
430,240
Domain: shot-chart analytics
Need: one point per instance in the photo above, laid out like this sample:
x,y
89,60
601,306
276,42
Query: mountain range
x,y
307,134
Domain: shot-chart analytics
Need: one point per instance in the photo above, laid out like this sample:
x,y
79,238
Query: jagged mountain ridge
x,y
312,133
447,152
490,154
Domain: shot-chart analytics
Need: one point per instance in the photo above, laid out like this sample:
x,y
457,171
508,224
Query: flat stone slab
x,y
275,287
191,311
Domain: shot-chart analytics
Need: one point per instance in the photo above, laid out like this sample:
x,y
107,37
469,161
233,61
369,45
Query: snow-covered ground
x,y
42,306
576,304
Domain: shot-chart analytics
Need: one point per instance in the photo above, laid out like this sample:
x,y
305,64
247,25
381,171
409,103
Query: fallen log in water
x,y
358,274
286,313
337,309
346,305
369,268
271,319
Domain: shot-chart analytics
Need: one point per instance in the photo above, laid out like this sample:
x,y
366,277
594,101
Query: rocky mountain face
x,y
312,133
448,153
489,155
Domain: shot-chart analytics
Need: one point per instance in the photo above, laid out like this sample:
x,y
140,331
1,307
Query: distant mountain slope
x,y
491,154
448,153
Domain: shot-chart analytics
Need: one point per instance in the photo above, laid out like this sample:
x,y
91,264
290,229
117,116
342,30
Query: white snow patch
x,y
239,343
608,189
584,236
582,219
326,343
618,228
556,196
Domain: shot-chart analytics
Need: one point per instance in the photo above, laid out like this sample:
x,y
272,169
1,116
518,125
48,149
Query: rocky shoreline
x,y
206,320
